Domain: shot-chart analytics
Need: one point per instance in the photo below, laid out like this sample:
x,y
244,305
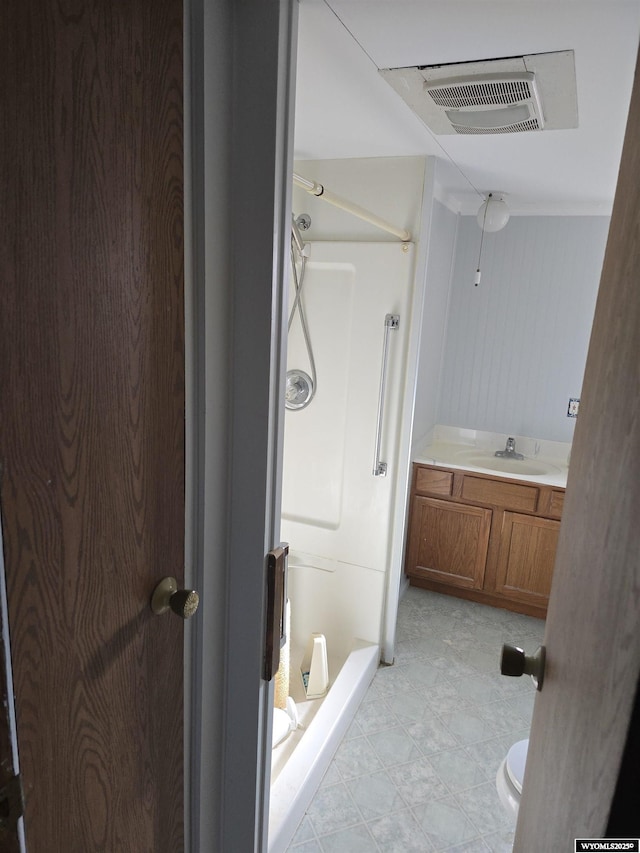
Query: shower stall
x,y
346,456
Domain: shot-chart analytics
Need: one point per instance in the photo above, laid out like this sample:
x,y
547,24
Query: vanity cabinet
x,y
481,537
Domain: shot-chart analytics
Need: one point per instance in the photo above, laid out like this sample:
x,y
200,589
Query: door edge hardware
x,y
11,803
275,635
167,596
514,662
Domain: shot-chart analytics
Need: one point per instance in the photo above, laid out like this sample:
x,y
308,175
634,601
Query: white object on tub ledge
x,y
315,667
284,722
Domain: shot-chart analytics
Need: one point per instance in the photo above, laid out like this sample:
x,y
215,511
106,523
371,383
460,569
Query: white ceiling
x,y
345,109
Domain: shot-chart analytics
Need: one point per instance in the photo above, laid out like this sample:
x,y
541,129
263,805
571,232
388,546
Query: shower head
x,y
296,236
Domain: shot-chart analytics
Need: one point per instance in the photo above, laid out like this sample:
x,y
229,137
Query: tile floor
x,y
416,771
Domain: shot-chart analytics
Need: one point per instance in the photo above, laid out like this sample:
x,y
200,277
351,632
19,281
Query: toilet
x,y
284,722
510,775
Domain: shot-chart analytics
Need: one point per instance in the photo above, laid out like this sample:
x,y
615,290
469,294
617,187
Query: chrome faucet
x,y
510,450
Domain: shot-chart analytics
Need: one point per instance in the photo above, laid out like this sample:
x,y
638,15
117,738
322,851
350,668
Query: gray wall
x,y
516,346
434,318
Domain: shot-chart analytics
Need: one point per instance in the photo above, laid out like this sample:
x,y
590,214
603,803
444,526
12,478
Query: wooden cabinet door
x,y
448,542
526,557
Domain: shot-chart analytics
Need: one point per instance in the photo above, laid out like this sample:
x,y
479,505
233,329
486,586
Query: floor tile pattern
x,y
416,771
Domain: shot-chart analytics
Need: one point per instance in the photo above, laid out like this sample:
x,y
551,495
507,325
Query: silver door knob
x,y
167,596
515,662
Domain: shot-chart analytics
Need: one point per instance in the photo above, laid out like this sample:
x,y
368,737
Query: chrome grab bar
x,y
391,322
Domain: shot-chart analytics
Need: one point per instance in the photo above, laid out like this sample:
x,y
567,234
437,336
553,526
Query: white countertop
x,y
545,462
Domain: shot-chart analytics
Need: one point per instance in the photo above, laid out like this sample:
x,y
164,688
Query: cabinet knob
x,y
515,662
183,602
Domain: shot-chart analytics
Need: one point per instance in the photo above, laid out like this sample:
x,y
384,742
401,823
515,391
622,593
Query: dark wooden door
x,y
92,415
582,715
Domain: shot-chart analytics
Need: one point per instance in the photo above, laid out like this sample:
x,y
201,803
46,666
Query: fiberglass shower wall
x,y
336,515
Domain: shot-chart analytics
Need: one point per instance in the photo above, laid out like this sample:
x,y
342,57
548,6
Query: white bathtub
x,y
300,762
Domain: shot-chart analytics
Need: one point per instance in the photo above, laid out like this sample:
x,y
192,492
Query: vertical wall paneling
x,y
516,345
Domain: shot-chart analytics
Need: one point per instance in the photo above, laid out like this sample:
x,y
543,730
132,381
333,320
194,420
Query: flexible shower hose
x,y
297,304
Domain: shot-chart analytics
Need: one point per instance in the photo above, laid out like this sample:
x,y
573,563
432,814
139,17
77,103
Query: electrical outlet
x,y
574,405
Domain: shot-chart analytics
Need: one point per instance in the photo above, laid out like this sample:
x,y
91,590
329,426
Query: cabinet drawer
x,y
556,504
434,481
508,495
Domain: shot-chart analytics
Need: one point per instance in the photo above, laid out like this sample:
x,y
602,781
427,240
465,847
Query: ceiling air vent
x,y
505,103
515,95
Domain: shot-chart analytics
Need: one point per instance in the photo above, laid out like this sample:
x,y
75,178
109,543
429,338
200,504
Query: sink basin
x,y
528,467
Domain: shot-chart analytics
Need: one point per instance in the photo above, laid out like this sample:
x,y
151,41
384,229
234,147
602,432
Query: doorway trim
x,y
242,95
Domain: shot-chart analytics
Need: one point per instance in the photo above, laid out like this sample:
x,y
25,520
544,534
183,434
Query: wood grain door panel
x,y
92,427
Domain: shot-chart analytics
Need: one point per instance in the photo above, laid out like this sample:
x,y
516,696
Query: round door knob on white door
x,y
515,662
167,596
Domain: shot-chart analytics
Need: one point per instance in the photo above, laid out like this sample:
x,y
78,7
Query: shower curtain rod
x,y
319,191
